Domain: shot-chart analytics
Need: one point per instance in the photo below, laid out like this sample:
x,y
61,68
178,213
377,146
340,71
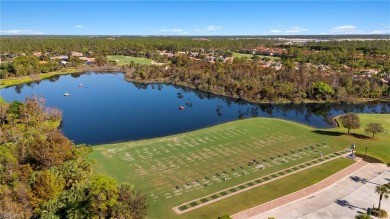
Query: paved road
x,y
344,199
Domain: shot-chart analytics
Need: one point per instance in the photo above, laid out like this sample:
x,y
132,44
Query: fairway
x,y
177,169
125,60
249,56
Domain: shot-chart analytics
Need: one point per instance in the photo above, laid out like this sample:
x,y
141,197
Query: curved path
x,y
342,195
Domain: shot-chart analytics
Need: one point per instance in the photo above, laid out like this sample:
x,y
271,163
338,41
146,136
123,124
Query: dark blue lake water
x,y
108,109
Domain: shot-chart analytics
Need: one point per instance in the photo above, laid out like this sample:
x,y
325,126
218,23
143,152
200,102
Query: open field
x,y
125,60
177,169
249,56
378,147
15,81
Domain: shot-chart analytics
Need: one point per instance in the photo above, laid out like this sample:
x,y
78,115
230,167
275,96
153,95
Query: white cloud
x,y
344,29
174,30
21,32
292,30
79,26
212,27
209,28
177,30
295,30
383,30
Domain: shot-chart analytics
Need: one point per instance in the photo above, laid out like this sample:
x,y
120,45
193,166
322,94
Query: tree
x,y
103,196
322,90
374,128
45,187
25,65
131,203
350,121
101,60
383,191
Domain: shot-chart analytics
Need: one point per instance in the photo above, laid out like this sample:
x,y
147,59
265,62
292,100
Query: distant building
x,y
76,54
37,54
61,58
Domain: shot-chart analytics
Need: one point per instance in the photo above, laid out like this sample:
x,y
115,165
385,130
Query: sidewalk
x,y
342,195
301,193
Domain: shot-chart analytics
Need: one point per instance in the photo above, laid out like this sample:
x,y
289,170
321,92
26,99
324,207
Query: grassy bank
x,y
175,169
125,60
14,81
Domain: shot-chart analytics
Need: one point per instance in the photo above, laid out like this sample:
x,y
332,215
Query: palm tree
x,y
383,191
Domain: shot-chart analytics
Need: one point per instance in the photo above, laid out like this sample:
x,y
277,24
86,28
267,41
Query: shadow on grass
x,y
330,133
335,133
368,159
359,136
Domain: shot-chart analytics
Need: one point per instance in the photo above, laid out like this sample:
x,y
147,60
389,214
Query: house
x,y
61,58
165,53
87,60
37,54
76,54
63,63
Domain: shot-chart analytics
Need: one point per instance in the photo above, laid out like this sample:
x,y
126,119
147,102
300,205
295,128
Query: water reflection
x,y
110,109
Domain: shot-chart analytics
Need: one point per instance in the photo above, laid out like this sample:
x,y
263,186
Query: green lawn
x,y
125,60
249,56
269,191
175,169
378,147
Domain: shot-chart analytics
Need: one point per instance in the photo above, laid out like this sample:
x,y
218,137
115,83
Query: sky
x,y
90,17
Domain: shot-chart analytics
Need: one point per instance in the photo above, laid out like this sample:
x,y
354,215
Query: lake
x,y
108,109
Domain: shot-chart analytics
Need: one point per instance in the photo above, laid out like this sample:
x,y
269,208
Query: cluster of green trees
x,y
356,55
27,66
44,175
247,79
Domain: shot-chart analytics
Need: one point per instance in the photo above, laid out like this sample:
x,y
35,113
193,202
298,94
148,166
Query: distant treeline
x,y
121,45
326,70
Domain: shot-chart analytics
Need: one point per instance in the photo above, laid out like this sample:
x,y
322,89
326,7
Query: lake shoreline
x,y
4,83
127,102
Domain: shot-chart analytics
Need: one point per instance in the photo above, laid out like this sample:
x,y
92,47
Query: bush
x,y
363,216
379,213
225,217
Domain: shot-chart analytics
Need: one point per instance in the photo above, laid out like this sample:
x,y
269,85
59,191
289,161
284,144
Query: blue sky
x,y
194,17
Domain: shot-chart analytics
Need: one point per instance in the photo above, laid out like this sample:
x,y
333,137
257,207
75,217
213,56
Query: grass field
x,y
15,81
378,147
125,60
269,191
249,56
180,168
